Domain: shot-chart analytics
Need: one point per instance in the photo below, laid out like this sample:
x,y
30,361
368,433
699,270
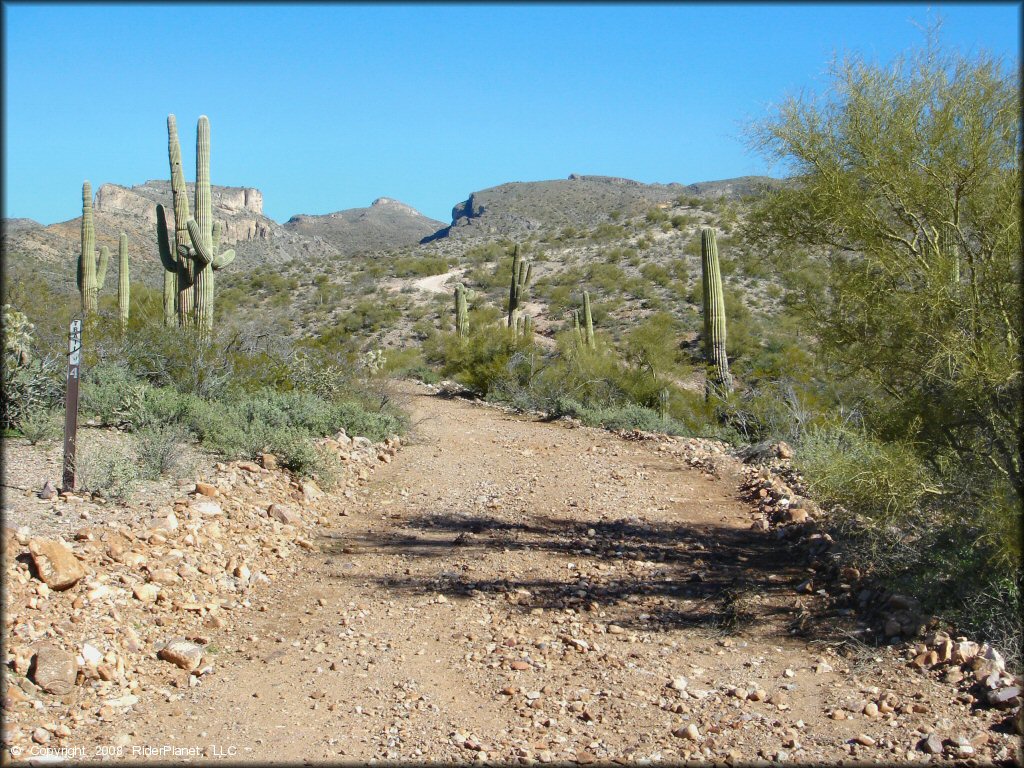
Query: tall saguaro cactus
x,y
461,311
714,315
196,253
522,271
123,286
90,276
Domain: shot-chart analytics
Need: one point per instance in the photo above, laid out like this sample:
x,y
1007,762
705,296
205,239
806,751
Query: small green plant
x,y
42,425
159,448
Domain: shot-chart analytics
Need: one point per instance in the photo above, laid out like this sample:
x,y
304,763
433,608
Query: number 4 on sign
x,y
71,404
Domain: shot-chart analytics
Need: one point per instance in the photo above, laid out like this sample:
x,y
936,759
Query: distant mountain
x,y
385,224
519,208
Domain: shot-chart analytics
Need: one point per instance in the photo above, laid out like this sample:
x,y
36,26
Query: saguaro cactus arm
x,y
220,260
101,270
170,265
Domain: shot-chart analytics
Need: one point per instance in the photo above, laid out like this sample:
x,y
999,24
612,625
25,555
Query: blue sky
x,y
328,106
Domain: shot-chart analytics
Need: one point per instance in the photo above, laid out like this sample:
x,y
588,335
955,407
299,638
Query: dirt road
x,y
510,590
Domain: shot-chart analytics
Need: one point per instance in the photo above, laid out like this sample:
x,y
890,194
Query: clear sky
x,y
328,106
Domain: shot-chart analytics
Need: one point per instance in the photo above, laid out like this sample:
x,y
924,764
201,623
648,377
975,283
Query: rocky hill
x,y
385,224
522,208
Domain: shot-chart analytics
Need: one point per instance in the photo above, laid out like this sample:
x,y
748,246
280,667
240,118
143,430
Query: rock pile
x,y
122,612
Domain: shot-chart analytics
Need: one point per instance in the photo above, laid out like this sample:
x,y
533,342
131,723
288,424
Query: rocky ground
x,y
499,590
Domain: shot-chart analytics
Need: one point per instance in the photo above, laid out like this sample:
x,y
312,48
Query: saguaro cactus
x,y
576,327
588,320
522,271
714,315
461,311
90,277
204,234
196,252
123,286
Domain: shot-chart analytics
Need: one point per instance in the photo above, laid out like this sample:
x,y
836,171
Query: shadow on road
x,y
643,575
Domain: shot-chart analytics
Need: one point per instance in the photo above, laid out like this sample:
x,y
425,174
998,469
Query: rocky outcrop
x,y
239,209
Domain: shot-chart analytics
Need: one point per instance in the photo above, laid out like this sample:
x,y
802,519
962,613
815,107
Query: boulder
x,y
56,563
182,653
53,669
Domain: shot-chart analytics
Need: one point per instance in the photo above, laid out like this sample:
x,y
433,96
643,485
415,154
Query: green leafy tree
x,y
906,197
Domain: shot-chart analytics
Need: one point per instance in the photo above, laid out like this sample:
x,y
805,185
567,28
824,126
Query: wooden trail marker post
x,y
71,404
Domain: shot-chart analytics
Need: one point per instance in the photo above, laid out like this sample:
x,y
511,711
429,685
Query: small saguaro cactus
x,y
528,327
90,276
522,271
461,311
588,320
714,316
577,333
123,286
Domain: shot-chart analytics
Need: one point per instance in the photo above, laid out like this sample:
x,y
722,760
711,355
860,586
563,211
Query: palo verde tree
x,y
905,199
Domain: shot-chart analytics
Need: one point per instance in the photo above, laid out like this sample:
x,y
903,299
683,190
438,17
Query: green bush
x,y
112,395
487,359
159,448
42,425
29,389
881,481
421,266
110,471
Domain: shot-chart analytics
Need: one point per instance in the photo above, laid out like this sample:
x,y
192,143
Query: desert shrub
x,y
421,266
655,273
401,361
370,315
879,480
112,395
111,471
493,251
31,382
606,278
608,231
655,216
159,450
41,425
29,389
483,361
